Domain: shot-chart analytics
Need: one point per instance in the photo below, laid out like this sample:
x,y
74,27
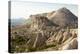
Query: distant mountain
x,y
15,22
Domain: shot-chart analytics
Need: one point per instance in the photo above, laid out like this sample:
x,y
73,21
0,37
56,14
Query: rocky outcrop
x,y
39,41
41,22
66,35
73,44
70,43
65,39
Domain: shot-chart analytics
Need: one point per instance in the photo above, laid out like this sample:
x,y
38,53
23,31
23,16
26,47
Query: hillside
x,y
64,17
56,30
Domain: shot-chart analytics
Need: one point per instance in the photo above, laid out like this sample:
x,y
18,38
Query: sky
x,y
25,9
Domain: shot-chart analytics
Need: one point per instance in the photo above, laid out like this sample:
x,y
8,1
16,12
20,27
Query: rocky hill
x,y
56,30
64,17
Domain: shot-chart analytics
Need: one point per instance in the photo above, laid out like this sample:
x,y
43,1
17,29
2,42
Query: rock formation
x,y
56,30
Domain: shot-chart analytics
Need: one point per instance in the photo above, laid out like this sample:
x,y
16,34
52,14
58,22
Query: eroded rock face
x,y
41,22
59,36
39,41
65,39
73,44
66,35
51,40
70,43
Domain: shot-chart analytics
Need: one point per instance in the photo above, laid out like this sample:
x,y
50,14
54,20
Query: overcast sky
x,y
25,9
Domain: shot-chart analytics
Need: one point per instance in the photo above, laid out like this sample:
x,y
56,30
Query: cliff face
x,y
41,22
